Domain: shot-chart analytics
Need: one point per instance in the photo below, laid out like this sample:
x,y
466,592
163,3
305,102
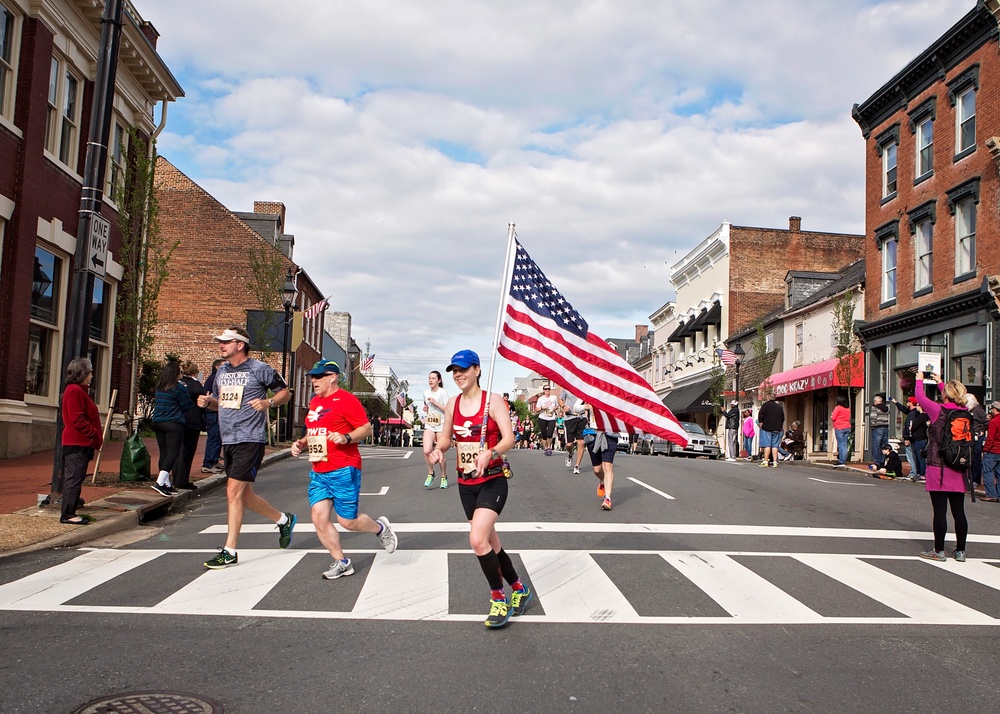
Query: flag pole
x,y
504,296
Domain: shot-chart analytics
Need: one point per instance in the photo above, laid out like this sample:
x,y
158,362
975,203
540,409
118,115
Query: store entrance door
x,y
821,419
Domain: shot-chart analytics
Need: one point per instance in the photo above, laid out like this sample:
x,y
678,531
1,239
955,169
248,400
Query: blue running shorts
x,y
342,486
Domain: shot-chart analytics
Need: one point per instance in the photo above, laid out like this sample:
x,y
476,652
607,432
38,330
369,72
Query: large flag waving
x,y
542,331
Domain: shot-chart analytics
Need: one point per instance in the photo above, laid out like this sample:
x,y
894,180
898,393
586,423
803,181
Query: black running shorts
x,y
490,494
243,460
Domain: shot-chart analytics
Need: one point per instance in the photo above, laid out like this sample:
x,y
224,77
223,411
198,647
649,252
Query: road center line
x,y
654,490
840,483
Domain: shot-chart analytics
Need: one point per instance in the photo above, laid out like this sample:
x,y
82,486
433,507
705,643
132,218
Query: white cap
x,y
231,335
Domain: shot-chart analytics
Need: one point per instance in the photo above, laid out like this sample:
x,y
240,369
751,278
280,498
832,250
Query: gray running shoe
x,y
959,555
932,554
339,569
387,538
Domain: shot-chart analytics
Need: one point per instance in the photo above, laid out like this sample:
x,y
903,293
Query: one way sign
x,y
97,254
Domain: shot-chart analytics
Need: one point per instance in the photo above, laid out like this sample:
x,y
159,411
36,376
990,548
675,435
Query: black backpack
x,y
955,448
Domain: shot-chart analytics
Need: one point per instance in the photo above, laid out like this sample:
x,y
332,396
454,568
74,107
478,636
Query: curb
x,y
125,521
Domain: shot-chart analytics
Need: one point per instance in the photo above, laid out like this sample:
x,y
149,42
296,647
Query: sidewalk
x,y
112,505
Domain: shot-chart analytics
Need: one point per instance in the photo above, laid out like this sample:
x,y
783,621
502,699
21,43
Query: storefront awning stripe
x,y
819,375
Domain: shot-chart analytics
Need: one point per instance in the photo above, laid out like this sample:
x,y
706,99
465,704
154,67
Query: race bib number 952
x,y
317,446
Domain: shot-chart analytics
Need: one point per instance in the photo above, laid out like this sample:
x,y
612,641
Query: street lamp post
x,y
740,354
353,354
288,292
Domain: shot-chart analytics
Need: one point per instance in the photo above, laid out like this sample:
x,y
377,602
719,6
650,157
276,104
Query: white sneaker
x,y
576,469
339,569
730,459
568,462
387,538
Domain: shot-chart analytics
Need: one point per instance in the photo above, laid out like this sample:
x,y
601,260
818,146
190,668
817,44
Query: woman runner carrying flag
x,y
481,483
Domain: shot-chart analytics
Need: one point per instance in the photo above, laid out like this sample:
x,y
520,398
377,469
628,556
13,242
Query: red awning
x,y
819,375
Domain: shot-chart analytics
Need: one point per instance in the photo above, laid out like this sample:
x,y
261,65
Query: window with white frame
x,y
889,271
799,331
62,124
923,251
925,147
116,160
965,121
100,338
889,171
9,36
965,237
43,331
769,342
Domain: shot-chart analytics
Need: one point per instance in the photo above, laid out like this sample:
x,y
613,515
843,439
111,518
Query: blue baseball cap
x,y
324,366
463,360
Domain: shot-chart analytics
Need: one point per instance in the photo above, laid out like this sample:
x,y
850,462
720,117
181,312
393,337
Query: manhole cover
x,y
151,703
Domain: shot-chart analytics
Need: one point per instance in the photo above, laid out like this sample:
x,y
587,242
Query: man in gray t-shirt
x,y
574,420
240,397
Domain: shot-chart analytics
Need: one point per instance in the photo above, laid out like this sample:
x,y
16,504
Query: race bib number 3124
x,y
231,397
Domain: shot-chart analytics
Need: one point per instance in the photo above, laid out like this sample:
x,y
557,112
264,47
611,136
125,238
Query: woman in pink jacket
x,y
945,485
749,432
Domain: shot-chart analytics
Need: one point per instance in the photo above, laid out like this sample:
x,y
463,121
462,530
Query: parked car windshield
x,y
692,427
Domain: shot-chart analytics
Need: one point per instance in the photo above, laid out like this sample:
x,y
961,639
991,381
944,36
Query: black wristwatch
x,y
348,437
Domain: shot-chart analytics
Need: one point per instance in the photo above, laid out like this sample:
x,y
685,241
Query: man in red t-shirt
x,y
336,422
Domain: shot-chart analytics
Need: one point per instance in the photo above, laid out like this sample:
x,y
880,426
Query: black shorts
x,y
604,457
574,428
490,494
243,460
546,428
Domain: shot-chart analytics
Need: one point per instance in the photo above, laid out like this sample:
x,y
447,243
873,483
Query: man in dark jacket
x,y
909,410
771,419
213,440
878,422
732,431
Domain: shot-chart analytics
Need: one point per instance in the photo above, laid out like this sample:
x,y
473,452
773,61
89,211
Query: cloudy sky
x,y
403,137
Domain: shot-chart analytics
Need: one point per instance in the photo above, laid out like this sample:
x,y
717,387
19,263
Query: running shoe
x,y
163,489
519,600
763,464
569,463
444,482
548,452
576,469
285,531
958,555
387,538
774,464
932,554
499,613
600,489
429,480
607,504
339,569
223,560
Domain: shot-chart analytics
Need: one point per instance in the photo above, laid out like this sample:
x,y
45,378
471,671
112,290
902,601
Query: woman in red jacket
x,y
81,435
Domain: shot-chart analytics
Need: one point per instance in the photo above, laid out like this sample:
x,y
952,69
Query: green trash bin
x,y
135,459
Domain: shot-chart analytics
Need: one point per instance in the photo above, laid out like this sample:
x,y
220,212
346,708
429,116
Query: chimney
x,y
795,223
272,208
640,332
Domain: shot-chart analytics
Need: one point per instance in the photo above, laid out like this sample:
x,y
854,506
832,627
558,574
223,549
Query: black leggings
x,y
170,442
940,501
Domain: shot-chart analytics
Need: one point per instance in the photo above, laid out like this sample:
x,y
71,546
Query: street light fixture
x,y
288,292
740,354
353,355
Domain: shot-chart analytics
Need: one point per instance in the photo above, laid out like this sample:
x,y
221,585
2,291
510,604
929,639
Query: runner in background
x,y
546,407
575,420
435,400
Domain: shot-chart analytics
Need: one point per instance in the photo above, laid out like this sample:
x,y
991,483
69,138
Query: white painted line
x,y
628,528
654,490
234,589
407,585
740,591
382,491
574,588
61,583
893,591
840,483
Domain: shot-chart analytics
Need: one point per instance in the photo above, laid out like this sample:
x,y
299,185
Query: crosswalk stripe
x,y
574,588
61,583
233,590
740,591
893,591
407,585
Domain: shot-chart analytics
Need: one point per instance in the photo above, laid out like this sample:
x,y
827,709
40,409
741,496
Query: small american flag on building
x,y
727,357
401,398
367,363
315,309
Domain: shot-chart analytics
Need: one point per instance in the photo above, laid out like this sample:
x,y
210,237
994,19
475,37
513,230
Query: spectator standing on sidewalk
x,y
169,417
979,424
213,442
909,412
82,435
918,436
991,456
194,422
945,485
878,423
732,431
241,398
841,420
749,431
771,418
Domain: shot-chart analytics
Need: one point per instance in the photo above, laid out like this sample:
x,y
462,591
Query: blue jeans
x,y
880,437
748,445
918,456
991,474
911,459
842,435
213,444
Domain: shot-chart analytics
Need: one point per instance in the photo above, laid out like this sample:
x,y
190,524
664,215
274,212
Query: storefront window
x,y
968,339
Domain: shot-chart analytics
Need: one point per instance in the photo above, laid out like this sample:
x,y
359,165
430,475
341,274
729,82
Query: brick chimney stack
x,y
795,223
641,331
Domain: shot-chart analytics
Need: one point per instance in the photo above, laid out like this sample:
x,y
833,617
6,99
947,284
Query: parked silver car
x,y
653,445
699,443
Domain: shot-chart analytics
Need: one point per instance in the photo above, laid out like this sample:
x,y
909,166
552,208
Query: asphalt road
x,y
710,586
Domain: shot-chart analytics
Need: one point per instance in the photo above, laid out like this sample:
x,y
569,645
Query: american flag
x,y
727,357
542,331
367,363
316,309
401,398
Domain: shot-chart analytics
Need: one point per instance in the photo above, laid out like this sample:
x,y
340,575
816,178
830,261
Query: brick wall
x,y
760,258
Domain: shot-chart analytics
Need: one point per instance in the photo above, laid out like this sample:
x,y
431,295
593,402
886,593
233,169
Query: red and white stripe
x,y
589,369
315,309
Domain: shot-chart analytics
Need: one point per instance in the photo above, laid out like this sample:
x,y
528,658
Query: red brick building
x,y
48,59
931,211
210,271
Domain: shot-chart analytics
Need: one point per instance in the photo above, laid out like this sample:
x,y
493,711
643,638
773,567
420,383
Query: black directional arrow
x,y
96,262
